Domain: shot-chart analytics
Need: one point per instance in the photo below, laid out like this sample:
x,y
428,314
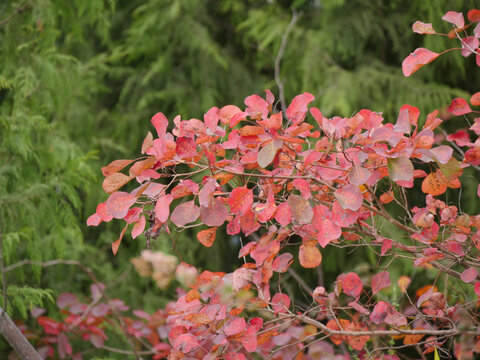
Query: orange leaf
x,y
116,244
386,197
240,200
115,166
141,165
412,339
475,99
309,255
250,130
114,182
432,185
207,237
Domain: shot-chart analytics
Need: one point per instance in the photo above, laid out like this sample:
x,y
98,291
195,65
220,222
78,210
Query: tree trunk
x,y
16,339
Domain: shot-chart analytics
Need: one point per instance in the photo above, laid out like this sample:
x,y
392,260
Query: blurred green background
x,y
80,80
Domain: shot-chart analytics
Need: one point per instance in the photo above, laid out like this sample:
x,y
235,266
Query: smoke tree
x,y
291,182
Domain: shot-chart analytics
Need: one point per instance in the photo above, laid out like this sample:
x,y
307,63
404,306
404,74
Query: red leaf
x,y
352,285
240,200
386,245
298,108
186,147
118,204
476,288
162,208
215,214
379,312
458,107
266,211
138,227
469,275
234,327
185,213
280,303
473,15
349,197
461,138
268,152
283,214
455,18
422,28
417,59
301,209
380,281
282,262
207,237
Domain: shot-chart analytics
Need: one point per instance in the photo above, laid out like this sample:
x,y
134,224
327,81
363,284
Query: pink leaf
x,y
211,119
256,107
66,299
249,340
301,209
358,307
349,197
359,175
379,312
455,18
186,343
280,303
160,123
138,227
422,28
185,213
283,214
215,214
303,186
469,45
298,108
400,169
417,59
118,204
380,281
234,327
242,277
352,285
282,262
162,208
469,275
327,231
268,152
94,220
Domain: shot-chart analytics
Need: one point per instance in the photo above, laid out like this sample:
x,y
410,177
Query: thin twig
x,y
278,59
18,10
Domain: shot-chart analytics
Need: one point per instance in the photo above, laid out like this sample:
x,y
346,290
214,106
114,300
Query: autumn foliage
x,y
293,182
